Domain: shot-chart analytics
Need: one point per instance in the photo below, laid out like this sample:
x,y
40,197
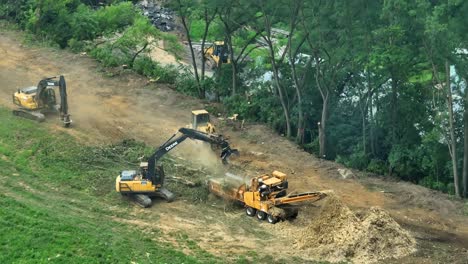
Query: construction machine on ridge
x,y
36,101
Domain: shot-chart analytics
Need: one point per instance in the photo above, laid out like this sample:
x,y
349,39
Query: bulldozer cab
x,y
201,121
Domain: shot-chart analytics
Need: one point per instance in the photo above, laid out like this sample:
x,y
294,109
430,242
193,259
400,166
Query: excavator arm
x,y
174,141
42,99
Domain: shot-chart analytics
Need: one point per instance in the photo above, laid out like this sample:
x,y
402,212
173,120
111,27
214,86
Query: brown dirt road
x,y
107,109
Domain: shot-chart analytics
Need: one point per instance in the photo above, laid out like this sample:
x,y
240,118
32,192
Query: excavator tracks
x,y
165,194
37,116
142,200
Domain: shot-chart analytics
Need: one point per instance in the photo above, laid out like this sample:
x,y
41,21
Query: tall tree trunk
x,y
201,91
205,34
275,69
394,108
298,85
364,136
233,64
324,92
322,127
371,125
281,96
465,147
453,143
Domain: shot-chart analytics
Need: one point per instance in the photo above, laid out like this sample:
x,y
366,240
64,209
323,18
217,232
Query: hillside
x,y
62,180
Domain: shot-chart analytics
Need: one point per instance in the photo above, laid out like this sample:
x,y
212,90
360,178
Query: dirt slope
x,y
106,109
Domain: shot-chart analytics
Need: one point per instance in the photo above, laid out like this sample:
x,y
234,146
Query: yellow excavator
x,y
201,121
216,54
36,101
149,180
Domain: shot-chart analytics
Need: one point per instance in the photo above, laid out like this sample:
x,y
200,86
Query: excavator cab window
x,y
28,90
127,175
50,97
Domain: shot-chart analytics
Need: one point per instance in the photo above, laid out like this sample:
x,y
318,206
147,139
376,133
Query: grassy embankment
x,y
57,202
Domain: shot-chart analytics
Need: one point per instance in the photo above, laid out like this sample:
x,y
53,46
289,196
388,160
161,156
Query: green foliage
x,y
84,24
377,166
357,160
377,72
108,56
146,66
404,162
186,84
115,17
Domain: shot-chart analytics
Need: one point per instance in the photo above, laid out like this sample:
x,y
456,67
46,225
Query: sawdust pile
x,y
338,235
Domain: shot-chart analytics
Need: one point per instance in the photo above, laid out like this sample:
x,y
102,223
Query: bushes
x,y
108,56
84,24
165,74
115,17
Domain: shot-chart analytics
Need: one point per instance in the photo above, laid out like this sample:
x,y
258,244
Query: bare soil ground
x,y
108,109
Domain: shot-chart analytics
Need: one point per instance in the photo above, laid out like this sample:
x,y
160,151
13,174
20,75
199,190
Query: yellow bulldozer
x,y
216,54
265,196
36,101
201,121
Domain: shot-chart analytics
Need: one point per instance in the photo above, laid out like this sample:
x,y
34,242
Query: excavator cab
x,y
217,54
201,121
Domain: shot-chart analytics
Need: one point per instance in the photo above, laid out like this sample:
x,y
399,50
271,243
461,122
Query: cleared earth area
x,y
60,175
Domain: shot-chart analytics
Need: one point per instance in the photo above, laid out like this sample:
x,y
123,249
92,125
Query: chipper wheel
x,y
250,211
261,215
272,219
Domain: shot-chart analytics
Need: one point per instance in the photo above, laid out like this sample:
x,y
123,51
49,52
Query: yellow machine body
x,y
25,98
35,101
132,181
135,186
201,121
266,196
217,54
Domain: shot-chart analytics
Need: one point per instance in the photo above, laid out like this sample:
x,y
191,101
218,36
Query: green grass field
x,y
58,205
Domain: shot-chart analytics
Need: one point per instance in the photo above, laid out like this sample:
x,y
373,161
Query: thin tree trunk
x,y
322,127
201,91
233,64
453,143
465,147
132,61
324,92
276,75
364,138
280,92
208,21
371,125
292,60
394,108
